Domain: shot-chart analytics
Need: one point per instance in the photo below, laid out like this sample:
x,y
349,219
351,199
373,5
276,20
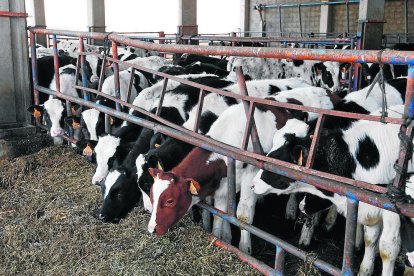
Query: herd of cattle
x,y
169,177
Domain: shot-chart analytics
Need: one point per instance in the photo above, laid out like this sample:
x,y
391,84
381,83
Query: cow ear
x,y
36,110
73,122
75,108
154,161
87,146
154,172
193,186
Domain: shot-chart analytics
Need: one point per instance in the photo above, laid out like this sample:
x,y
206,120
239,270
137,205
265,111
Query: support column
x,y
244,18
15,88
187,18
325,23
39,18
96,16
371,23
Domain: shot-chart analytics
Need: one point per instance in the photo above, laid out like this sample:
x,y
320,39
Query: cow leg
x,y
330,218
291,207
206,215
390,241
220,202
359,236
371,239
246,208
308,229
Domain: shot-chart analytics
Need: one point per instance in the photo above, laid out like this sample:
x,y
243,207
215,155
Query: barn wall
x,y
394,15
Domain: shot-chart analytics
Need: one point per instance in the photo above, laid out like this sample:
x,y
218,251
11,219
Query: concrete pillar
x,y
187,17
325,23
15,93
244,15
96,17
39,18
371,23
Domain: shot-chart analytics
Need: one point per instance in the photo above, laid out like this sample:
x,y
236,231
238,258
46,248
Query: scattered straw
x,y
48,227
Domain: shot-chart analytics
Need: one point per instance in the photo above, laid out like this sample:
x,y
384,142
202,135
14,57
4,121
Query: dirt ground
x,y
48,226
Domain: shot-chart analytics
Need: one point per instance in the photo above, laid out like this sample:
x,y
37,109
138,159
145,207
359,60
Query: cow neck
x,y
335,99
208,173
282,114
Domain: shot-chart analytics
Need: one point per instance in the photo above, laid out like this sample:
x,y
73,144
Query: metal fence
x,y
354,190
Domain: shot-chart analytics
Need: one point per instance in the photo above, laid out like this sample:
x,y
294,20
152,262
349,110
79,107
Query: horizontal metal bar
x,y
258,265
324,266
268,39
13,14
64,136
261,100
311,4
318,179
362,56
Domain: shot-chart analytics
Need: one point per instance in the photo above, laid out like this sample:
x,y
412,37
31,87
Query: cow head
x,y
171,197
53,113
94,121
290,144
120,194
327,75
105,151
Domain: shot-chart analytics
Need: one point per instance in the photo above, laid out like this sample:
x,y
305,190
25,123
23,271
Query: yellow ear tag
x,y
111,121
87,151
108,63
73,110
75,125
300,160
311,136
193,189
159,166
37,114
157,145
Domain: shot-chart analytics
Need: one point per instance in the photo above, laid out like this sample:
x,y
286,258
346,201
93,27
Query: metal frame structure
x,y
354,190
261,7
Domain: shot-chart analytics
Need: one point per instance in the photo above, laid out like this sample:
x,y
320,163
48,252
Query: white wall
x,y
214,16
218,16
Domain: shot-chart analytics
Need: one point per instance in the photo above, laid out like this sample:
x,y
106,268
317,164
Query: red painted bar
x,y
13,14
258,265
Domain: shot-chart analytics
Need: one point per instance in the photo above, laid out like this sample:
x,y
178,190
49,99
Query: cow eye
x,y
170,202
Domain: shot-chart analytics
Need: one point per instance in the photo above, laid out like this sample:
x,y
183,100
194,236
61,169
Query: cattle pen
x,y
355,191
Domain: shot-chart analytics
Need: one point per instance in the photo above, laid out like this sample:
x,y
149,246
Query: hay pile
x,y
48,226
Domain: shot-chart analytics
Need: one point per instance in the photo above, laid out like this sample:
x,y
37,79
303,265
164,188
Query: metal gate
x,y
355,191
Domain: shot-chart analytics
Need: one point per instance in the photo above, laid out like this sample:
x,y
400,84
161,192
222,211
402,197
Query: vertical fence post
x,y
234,35
115,66
350,234
280,21
161,41
199,110
231,191
34,72
280,260
257,147
164,89
83,68
300,20
347,16
402,162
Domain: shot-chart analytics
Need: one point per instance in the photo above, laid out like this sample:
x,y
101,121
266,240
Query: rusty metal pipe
x,y
350,234
258,265
364,56
271,239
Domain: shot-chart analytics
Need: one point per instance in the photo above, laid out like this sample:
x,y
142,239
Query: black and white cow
x,y
187,59
178,95
366,151
322,74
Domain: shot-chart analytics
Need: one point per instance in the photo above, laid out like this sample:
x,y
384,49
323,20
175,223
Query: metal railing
x,y
354,190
